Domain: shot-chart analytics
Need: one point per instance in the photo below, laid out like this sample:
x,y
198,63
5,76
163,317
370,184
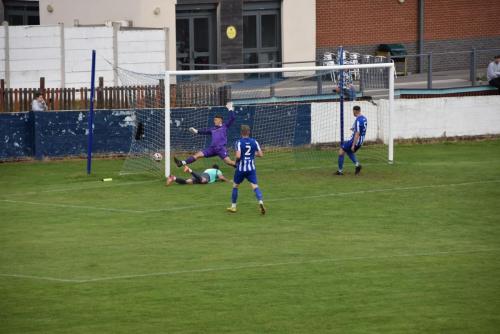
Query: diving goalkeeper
x,y
219,140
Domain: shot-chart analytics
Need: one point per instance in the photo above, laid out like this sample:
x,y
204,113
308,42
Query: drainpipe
x,y
421,19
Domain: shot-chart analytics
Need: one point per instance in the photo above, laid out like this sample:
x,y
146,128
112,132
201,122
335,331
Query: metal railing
x,y
429,63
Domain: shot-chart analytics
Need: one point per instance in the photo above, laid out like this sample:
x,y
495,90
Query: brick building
x,y
288,31
448,26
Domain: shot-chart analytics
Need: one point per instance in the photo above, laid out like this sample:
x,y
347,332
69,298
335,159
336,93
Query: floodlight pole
x,y
91,116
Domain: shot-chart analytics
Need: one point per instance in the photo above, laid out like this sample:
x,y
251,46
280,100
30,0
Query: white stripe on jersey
x,y
246,165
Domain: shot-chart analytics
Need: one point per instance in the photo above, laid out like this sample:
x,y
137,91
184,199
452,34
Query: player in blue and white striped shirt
x,y
354,143
246,150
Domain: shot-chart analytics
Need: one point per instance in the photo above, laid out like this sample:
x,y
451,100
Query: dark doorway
x,y
195,38
262,34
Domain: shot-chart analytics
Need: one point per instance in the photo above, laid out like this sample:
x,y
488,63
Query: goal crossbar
x,y
389,66
282,69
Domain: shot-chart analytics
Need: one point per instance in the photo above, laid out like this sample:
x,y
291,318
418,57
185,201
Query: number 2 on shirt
x,y
249,148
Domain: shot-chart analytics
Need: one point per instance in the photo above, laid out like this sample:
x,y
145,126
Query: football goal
x,y
294,112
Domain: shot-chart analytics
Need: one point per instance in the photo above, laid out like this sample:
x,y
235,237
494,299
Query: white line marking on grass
x,y
248,266
356,192
301,198
42,278
72,206
93,185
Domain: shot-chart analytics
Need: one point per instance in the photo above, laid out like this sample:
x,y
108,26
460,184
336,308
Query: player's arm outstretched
x,y
200,131
222,178
232,115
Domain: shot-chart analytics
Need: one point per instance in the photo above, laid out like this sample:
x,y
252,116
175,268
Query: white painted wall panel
x,y
36,51
88,44
31,79
140,46
325,121
141,58
27,65
414,118
88,32
449,116
39,54
141,35
20,32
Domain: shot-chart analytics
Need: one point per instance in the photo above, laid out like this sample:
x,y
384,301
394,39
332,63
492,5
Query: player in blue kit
x,y
246,150
354,143
219,140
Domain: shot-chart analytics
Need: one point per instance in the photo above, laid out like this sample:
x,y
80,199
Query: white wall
x,y
325,121
298,31
96,12
79,43
142,50
413,118
448,116
36,51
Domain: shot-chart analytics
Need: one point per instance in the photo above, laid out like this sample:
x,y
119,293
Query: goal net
x,y
299,116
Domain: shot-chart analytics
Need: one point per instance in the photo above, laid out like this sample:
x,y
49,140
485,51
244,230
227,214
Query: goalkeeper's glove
x,y
230,106
193,131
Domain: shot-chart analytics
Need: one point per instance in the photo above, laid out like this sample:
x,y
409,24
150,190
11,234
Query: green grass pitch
x,y
408,248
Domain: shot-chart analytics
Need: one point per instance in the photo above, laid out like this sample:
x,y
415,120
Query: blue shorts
x,y
346,146
239,177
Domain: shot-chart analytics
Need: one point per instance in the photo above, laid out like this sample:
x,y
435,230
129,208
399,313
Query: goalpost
x,y
294,112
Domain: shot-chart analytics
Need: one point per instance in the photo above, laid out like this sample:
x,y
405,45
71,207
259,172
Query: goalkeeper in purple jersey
x,y
219,140
354,143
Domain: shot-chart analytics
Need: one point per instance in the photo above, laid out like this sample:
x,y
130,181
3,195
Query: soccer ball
x,y
157,157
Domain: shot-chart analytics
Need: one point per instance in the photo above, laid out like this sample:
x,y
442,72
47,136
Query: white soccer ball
x,y
157,156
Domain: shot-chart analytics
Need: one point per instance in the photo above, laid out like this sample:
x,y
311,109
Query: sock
x,y
196,177
341,162
234,197
189,160
258,194
352,156
180,180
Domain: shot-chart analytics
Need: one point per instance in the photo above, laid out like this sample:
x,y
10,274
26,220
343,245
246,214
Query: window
x,y
195,36
261,33
21,12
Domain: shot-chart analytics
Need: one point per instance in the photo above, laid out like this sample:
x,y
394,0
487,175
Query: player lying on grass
x,y
210,175
246,150
219,140
354,144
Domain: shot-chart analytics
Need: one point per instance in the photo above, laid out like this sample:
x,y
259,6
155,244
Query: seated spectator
x,y
493,73
349,89
38,103
349,92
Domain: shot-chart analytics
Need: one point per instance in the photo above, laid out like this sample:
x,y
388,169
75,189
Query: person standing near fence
x,y
494,73
38,103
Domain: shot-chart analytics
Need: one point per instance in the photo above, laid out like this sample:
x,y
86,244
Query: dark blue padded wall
x,y
16,137
57,134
